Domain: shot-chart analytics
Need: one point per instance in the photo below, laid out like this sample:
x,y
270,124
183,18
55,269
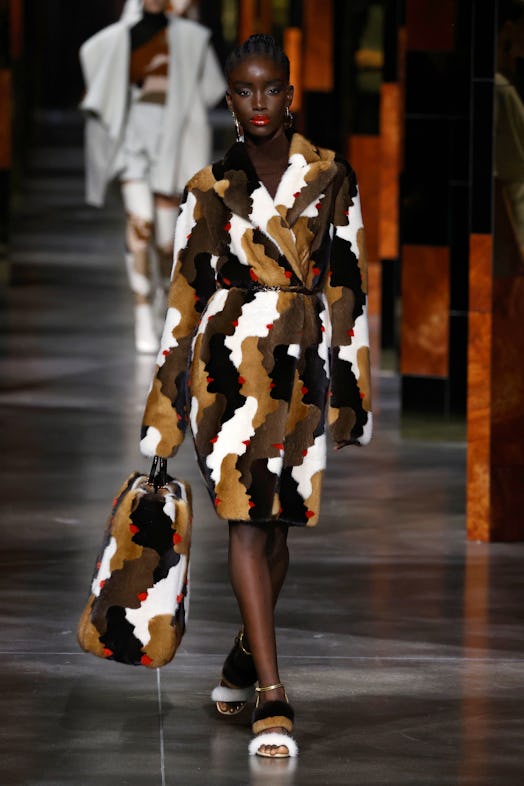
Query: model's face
x,y
155,6
258,93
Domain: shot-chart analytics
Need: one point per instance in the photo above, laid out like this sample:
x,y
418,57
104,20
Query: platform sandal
x,y
239,677
271,715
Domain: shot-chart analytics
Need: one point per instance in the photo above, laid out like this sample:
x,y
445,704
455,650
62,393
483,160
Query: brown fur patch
x,y
364,380
163,640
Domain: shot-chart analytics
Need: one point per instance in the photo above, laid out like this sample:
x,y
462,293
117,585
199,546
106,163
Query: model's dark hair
x,y
258,45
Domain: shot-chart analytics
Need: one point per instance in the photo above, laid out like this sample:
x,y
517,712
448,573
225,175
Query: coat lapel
x,y
308,174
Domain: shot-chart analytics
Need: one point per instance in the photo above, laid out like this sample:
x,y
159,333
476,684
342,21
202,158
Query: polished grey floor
x,y
401,644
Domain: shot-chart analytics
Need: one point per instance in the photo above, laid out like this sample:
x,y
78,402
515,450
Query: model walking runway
x,y
409,668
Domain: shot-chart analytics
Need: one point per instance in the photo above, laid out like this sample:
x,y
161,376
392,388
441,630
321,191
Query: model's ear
x,y
228,100
290,94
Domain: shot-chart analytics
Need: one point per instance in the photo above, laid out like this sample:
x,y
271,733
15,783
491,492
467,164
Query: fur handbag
x,y
136,612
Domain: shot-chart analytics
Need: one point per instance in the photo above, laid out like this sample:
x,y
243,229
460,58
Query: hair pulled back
x,y
259,44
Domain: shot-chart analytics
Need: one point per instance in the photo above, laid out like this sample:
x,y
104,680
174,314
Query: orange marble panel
x,y
478,502
16,23
390,162
293,48
265,16
5,119
364,154
317,24
247,12
425,311
431,25
480,272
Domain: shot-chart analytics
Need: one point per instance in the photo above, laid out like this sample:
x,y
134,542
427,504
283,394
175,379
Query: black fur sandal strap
x,y
239,668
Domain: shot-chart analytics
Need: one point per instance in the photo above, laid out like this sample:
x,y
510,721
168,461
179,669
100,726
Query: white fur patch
x,y
349,232
294,350
150,442
104,570
239,226
215,305
360,339
323,347
293,180
273,738
314,461
168,341
161,599
274,465
231,436
253,321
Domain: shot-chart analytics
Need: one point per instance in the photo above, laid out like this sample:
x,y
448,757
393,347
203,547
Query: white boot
x,y
146,339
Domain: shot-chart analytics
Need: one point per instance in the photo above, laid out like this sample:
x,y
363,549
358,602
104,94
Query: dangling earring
x,y
238,128
288,119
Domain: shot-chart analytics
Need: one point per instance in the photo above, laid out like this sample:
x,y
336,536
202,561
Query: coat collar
x,y
309,172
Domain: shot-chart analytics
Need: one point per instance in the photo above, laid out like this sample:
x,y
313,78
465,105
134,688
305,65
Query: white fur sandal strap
x,y
273,738
232,695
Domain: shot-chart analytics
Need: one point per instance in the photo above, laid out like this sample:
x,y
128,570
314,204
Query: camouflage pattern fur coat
x,y
266,337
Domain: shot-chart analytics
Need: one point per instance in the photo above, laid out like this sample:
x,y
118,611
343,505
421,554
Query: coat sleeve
x,y
192,283
349,413
212,83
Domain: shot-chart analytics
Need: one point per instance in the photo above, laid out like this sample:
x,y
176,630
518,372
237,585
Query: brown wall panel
x,y
247,19
390,162
16,20
480,273
480,333
293,49
478,494
317,24
425,311
431,25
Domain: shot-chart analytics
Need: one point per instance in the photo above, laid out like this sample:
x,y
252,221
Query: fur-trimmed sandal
x,y
239,675
271,715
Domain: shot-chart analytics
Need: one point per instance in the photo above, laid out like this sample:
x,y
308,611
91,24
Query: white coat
x,y
195,83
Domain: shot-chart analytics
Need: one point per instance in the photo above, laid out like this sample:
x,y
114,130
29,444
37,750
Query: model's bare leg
x,y
138,202
166,212
258,562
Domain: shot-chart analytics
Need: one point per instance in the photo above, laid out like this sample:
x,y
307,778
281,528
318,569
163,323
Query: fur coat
x,y
266,334
195,84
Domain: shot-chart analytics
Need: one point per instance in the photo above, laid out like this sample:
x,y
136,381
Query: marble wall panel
x,y
318,28
480,272
425,311
478,494
390,165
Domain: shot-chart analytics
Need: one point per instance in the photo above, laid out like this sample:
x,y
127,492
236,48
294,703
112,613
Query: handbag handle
x,y
158,479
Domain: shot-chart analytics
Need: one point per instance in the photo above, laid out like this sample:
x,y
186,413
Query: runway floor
x,y
401,643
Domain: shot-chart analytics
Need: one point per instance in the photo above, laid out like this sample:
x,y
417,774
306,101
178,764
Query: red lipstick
x,y
260,120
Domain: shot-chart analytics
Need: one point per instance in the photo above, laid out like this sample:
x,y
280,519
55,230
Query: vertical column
x,y
434,213
255,16
495,464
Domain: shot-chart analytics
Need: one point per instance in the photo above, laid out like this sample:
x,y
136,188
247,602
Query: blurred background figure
x,y
150,80
509,115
